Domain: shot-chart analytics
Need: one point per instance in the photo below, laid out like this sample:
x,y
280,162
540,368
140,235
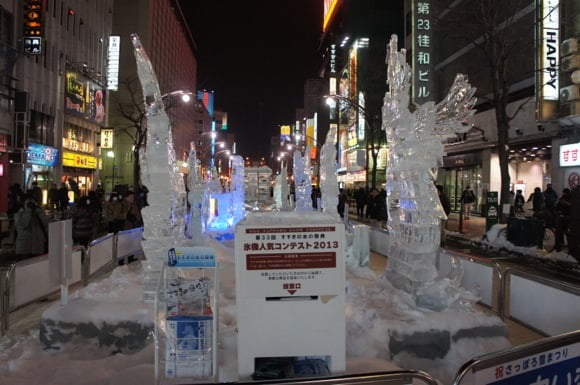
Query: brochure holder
x,y
186,308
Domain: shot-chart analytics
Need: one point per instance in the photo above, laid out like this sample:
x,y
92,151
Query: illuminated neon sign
x,y
329,10
41,155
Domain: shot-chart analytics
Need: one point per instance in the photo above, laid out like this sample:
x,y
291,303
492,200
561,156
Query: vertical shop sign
x,y
491,209
550,49
422,52
32,27
113,63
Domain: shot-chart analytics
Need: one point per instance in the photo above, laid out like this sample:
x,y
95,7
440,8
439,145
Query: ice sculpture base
x,y
410,337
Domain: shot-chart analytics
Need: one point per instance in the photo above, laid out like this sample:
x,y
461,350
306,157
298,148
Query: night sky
x,y
256,55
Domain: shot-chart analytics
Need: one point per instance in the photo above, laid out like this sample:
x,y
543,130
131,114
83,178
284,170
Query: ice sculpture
x,y
302,182
281,190
238,188
416,150
164,215
328,179
196,186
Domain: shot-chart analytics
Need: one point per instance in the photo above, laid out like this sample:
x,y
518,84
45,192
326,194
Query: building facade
x,y
163,31
355,35
457,41
54,103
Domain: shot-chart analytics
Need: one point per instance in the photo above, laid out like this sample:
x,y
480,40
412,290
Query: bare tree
x,y
500,37
132,121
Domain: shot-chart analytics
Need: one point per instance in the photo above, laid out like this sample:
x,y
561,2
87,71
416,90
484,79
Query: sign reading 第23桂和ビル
x,y
42,155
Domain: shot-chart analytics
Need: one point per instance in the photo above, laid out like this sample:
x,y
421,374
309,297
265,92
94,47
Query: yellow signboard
x,y
71,159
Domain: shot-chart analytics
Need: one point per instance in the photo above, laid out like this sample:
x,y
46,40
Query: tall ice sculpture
x,y
164,217
416,151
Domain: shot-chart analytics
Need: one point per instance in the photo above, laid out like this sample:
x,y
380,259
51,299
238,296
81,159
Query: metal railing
x,y
88,268
506,291
498,358
397,377
498,275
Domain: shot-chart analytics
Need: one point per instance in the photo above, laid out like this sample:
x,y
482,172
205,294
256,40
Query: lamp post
x,y
111,154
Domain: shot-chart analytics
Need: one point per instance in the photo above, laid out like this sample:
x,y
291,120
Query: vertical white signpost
x,y
290,291
60,256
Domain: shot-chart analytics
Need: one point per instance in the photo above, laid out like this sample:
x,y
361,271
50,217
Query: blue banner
x,y
195,256
42,155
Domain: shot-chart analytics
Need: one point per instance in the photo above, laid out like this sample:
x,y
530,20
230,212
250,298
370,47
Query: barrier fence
x,y
543,304
28,280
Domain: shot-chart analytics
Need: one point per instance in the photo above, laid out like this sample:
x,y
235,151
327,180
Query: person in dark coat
x,y
468,199
84,222
31,227
36,193
563,207
574,224
15,199
342,199
63,198
519,202
372,203
361,200
53,197
446,205
538,203
550,198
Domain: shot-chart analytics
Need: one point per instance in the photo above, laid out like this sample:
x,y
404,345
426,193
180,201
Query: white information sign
x,y
290,260
290,291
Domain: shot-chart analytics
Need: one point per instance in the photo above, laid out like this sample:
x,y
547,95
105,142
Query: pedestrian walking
x,y
563,207
538,203
361,199
519,202
63,200
467,199
133,218
31,227
550,199
446,205
115,214
84,221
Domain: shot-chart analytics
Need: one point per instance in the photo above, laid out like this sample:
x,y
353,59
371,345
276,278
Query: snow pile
x,y
376,314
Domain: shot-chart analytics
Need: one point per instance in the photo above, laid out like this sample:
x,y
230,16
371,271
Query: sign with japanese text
x,y
422,52
114,53
280,261
41,155
550,49
553,367
491,210
196,256
84,98
569,155
71,159
107,135
32,27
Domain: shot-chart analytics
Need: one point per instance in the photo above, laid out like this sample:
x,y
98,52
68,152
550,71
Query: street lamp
x,y
185,95
111,154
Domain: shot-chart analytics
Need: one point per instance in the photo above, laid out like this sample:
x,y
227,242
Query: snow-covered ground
x,y
375,313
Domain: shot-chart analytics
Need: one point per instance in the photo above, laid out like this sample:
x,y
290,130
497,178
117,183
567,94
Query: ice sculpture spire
x,y
416,149
328,179
165,213
302,181
196,188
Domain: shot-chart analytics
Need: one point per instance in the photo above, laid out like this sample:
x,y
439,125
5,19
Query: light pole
x,y
111,154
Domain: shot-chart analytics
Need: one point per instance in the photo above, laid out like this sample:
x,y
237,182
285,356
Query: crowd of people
x,y
92,214
370,203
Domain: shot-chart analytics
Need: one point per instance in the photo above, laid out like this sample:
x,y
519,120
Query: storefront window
x,y
456,180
